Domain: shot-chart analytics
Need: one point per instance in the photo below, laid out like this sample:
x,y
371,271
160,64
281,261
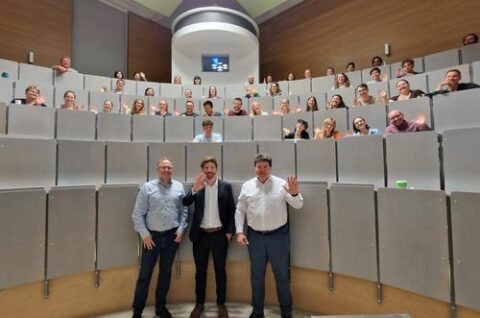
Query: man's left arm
x,y
183,216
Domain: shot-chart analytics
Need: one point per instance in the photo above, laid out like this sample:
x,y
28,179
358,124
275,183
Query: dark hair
x,y
402,80
363,85
409,61
146,89
377,58
238,99
207,160
342,103
303,122
69,91
475,37
263,157
134,110
375,69
207,122
315,106
355,128
195,78
350,63
207,102
118,72
454,70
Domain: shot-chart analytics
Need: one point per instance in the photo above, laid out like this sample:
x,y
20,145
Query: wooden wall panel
x,y
149,49
318,34
44,27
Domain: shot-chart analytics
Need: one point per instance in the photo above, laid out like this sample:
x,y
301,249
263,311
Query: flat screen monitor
x,y
215,63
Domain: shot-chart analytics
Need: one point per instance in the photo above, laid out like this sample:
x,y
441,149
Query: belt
x,y
166,231
212,230
270,231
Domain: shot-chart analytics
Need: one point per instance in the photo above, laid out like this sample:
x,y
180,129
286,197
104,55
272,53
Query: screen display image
x,y
215,63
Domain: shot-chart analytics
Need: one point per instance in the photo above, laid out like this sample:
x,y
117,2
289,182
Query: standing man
x,y
159,217
212,229
263,201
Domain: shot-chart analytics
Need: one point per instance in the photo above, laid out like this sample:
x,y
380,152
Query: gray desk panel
x,y
402,150
309,229
130,87
267,128
3,119
174,151
322,84
27,162
360,160
46,90
31,121
6,91
238,160
11,67
117,244
81,162
75,125
435,77
113,127
470,53
170,90
126,162
340,115
476,72
376,89
441,60
461,150
413,241
412,107
96,83
232,91
283,156
352,222
178,129
457,110
147,128
466,239
261,89
300,87
73,80
98,98
316,160
71,231
355,78
35,73
238,128
196,152
22,233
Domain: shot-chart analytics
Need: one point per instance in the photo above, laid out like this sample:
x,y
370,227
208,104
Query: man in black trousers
x,y
212,228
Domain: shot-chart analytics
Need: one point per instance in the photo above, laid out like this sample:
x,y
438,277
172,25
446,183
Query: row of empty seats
x,y
450,111
396,237
422,159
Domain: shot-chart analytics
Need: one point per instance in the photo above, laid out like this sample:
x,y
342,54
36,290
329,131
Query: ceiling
x,y
164,12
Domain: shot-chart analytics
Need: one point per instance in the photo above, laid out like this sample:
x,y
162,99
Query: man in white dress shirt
x,y
263,202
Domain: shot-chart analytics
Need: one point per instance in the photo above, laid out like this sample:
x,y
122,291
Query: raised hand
x,y
420,119
291,186
199,183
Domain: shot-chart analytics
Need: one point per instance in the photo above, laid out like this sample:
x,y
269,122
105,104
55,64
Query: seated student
x,y
32,97
312,105
237,108
107,106
119,86
363,97
208,108
256,110
69,101
350,67
341,80
138,108
139,76
65,66
300,131
361,128
163,109
398,123
377,61
187,93
308,74
208,134
327,130
375,74
177,79
470,38
197,80
330,71
118,75
336,101
251,92
212,92
284,107
250,80
269,79
189,106
404,91
291,76
274,90
451,82
149,92
406,69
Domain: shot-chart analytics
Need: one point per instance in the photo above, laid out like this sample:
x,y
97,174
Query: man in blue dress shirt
x,y
159,218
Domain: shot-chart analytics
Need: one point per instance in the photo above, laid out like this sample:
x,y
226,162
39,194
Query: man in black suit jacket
x,y
212,228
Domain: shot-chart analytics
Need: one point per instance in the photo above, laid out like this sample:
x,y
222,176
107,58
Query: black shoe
x,y
163,312
137,315
197,311
256,315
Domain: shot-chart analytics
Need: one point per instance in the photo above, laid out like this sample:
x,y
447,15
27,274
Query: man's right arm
x,y
140,211
240,217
